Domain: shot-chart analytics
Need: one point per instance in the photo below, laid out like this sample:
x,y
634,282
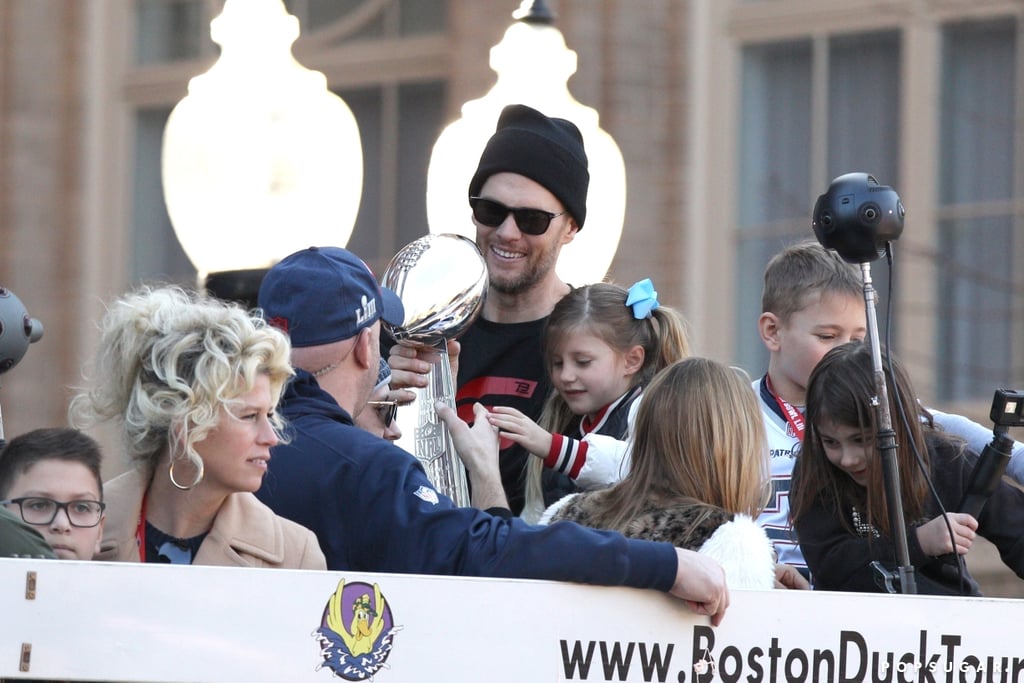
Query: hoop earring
x,y
195,483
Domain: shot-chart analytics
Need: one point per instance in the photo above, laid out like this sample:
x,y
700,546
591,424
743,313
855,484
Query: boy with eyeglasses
x,y
50,478
528,198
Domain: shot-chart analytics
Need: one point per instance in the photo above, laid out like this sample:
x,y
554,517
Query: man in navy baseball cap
x,y
330,304
323,295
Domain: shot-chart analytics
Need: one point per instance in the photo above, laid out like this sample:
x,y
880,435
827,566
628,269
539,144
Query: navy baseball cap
x,y
322,295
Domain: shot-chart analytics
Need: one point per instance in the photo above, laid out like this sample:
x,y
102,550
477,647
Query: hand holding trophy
x,y
442,282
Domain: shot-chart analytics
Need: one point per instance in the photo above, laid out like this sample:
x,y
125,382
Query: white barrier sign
x,y
121,622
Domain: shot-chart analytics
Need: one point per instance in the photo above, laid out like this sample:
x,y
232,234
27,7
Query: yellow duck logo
x,y
355,647
366,623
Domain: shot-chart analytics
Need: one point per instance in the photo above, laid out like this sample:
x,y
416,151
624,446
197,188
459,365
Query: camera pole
x,y
887,445
858,218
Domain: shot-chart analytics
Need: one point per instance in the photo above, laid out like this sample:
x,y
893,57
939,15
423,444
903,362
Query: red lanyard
x,y
793,416
140,532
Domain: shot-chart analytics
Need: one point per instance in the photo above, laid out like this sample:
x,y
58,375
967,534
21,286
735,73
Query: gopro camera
x,y
1008,408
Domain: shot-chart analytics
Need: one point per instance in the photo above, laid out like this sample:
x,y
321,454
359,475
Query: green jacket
x,y
18,539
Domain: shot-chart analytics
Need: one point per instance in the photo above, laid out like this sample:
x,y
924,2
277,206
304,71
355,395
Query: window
x,y
398,127
822,95
980,216
798,131
172,30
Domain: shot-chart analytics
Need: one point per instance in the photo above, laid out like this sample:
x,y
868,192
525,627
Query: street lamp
x,y
533,66
260,159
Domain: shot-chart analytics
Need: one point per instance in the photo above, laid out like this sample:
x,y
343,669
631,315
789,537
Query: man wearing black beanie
x,y
529,198
548,151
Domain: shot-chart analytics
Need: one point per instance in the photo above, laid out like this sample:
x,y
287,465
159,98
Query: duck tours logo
x,y
356,631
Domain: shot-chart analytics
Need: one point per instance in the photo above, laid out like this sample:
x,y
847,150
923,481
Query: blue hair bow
x,y
642,298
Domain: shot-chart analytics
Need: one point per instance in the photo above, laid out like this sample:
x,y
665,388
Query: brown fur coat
x,y
684,525
734,540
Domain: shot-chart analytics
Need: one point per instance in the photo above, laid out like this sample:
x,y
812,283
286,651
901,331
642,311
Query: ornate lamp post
x,y
533,66
259,159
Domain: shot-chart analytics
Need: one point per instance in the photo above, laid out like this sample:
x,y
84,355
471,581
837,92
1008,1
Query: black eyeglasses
x,y
492,214
386,409
42,511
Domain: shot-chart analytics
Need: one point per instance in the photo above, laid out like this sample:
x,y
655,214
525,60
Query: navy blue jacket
x,y
373,509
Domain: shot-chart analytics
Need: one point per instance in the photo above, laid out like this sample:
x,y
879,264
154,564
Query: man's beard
x,y
516,285
527,280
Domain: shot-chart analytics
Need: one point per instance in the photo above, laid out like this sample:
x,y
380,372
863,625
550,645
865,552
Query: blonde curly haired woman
x,y
193,382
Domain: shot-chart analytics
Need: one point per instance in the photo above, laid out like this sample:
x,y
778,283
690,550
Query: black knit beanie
x,y
546,150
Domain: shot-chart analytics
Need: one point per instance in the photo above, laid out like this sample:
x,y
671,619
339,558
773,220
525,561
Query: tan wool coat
x,y
245,533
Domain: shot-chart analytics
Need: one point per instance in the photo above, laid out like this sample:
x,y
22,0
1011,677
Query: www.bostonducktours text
x,y
853,658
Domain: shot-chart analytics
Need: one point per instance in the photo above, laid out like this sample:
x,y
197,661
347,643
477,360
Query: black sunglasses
x,y
492,214
386,409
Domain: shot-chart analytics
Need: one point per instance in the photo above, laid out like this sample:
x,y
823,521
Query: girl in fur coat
x,y
699,473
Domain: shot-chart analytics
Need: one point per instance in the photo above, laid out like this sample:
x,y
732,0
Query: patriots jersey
x,y
782,446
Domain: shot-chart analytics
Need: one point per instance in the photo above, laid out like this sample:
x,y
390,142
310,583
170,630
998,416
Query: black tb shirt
x,y
501,364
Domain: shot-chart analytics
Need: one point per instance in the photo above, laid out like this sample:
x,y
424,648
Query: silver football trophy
x,y
442,282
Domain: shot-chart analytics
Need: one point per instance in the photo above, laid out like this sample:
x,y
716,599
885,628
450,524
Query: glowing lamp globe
x,y
533,66
260,159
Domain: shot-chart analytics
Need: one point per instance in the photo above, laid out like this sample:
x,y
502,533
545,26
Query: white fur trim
x,y
555,507
744,551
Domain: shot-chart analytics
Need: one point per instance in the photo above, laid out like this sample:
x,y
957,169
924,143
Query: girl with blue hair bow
x,y
602,345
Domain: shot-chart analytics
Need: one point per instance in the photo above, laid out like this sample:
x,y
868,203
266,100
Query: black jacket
x,y
842,561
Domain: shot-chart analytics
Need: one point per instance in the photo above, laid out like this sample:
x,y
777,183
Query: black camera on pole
x,y
857,217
